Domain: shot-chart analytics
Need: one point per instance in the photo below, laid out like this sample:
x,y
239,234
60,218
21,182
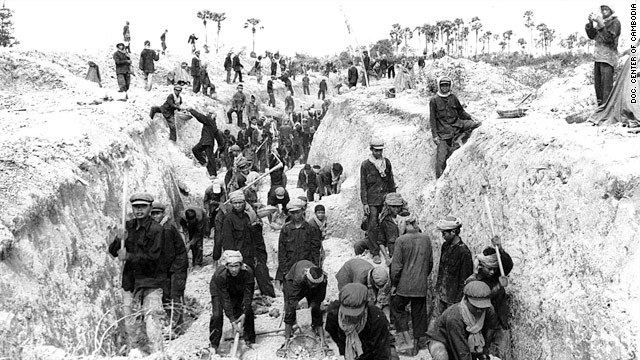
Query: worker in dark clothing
x,y
126,36
305,85
366,61
410,270
384,64
272,98
376,181
195,71
359,329
203,150
330,180
391,68
278,196
163,41
421,60
605,33
387,228
322,92
228,66
260,269
214,196
238,102
283,65
143,275
231,289
451,125
168,109
489,273
123,67
465,331
456,264
208,89
307,181
147,65
274,66
303,280
278,178
298,241
176,263
375,278
195,224
237,67
352,75
287,82
192,40
236,229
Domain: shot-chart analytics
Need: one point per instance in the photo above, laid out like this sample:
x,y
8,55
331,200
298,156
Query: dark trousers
x,y
217,318
290,88
173,296
196,84
154,110
173,133
446,147
274,69
310,194
196,252
603,80
261,272
238,75
305,89
372,229
314,297
391,70
204,155
272,100
124,81
321,93
238,115
229,70
418,314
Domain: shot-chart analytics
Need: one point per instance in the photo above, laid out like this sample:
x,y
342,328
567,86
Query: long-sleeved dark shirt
x,y
411,264
174,253
228,287
123,62
374,187
323,85
143,267
209,128
238,100
388,233
297,279
236,235
450,330
195,66
237,66
295,244
227,63
223,210
352,75
445,115
147,58
270,86
375,337
289,104
273,200
456,265
606,49
198,230
171,105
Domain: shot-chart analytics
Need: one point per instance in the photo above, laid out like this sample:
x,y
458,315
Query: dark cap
x,y
141,199
477,292
319,208
158,206
120,44
353,299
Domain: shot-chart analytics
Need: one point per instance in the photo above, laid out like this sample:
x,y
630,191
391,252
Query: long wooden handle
x,y
493,231
234,350
259,178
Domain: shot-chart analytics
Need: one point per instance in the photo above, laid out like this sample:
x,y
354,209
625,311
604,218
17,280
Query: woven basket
x,y
514,113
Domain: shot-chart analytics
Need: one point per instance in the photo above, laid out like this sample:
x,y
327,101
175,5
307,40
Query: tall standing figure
x,y
605,32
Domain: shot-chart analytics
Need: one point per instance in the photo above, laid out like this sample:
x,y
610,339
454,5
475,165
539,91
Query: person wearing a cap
x,y
238,102
279,196
451,125
231,289
466,330
359,329
147,64
304,280
195,224
237,67
605,30
168,109
456,264
175,263
375,278
228,66
122,60
330,179
143,276
298,240
488,271
203,150
376,181
387,227
410,269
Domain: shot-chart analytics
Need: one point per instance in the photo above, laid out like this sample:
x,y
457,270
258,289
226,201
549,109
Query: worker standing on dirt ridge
x,y
214,196
297,241
231,289
305,85
237,67
352,75
375,278
322,91
238,102
455,266
168,110
410,270
319,221
123,68
359,329
143,276
228,66
147,64
303,280
489,273
451,125
605,32
195,71
126,37
176,263
465,330
272,98
163,41
376,181
195,225
203,150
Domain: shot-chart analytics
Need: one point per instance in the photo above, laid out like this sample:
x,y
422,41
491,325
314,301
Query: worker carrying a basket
x,y
451,125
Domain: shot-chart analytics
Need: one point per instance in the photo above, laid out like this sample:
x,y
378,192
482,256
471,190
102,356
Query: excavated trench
x,y
564,199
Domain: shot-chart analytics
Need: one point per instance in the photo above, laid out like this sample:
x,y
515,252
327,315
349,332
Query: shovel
x,y
504,280
234,349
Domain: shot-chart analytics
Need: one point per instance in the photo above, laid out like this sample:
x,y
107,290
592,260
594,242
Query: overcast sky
x,y
316,27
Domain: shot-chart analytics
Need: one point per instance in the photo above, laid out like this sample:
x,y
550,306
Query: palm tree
x,y
507,37
407,34
447,29
431,36
253,22
205,15
418,30
487,36
458,22
522,42
396,35
465,38
528,16
219,18
476,25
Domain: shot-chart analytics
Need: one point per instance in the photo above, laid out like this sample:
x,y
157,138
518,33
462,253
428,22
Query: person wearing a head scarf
x,y
451,125
605,30
231,289
236,229
467,329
